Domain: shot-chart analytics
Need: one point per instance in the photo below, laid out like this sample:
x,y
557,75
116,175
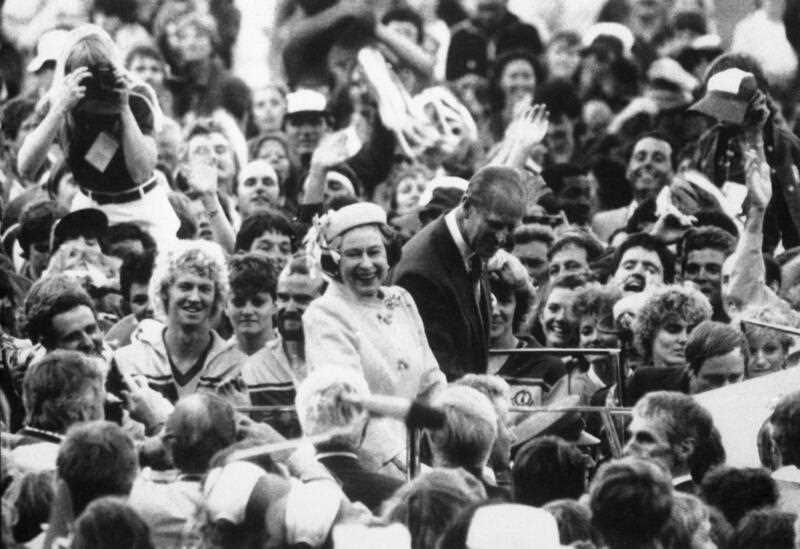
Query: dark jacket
x,y
433,271
718,156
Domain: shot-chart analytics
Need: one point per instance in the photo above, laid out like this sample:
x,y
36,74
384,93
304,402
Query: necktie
x,y
475,272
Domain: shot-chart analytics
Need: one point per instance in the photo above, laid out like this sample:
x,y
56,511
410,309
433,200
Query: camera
x,y
101,96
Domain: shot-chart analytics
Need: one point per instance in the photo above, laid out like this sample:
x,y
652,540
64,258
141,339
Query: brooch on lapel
x,y
390,303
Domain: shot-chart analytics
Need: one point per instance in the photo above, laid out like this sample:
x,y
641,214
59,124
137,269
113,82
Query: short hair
x,y
201,425
687,304
574,521
111,522
261,222
546,469
36,222
651,243
710,339
702,238
143,50
428,503
533,232
490,183
48,297
13,114
596,301
631,501
684,418
785,420
53,386
470,428
593,248
129,231
301,264
406,15
252,273
96,459
765,528
321,408
737,491
199,257
135,269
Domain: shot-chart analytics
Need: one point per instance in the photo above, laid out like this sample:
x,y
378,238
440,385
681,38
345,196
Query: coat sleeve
x,y
436,312
433,379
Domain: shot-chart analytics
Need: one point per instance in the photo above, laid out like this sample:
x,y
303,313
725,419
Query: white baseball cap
x,y
305,100
50,47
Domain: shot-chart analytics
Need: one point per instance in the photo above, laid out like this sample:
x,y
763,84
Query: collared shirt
x,y
458,238
595,378
466,253
676,481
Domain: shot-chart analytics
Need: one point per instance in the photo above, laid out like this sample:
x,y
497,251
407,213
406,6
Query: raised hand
x,y
65,95
529,126
757,179
332,150
203,176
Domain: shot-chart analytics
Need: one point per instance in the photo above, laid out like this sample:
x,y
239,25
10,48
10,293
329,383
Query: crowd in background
x,y
261,259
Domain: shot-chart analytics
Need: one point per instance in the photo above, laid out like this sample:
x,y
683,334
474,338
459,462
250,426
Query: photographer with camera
x,y
737,98
104,124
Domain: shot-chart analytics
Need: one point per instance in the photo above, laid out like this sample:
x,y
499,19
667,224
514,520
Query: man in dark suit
x,y
444,268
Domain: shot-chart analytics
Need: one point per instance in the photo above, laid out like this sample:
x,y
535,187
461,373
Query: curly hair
x,y
773,315
198,257
596,301
688,304
252,273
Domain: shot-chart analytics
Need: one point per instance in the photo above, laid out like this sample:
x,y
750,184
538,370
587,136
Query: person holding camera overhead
x,y
362,325
104,123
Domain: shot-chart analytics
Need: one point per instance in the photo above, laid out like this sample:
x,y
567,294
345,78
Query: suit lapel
x,y
453,263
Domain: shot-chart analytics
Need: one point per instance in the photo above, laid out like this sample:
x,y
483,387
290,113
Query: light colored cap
x,y
444,181
354,215
305,100
50,47
728,94
511,526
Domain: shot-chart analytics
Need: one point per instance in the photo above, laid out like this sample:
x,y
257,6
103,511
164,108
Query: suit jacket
x,y
433,271
359,484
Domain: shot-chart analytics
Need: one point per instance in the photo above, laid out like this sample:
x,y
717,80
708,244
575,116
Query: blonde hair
x,y
199,257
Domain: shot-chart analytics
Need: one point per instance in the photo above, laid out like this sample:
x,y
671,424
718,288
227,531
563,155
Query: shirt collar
x,y
458,238
676,481
594,377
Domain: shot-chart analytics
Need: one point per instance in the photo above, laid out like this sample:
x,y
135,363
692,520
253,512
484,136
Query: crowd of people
x,y
365,273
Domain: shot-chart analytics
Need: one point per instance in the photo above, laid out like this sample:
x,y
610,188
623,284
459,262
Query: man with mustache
x,y
443,267
650,169
641,263
703,252
271,373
